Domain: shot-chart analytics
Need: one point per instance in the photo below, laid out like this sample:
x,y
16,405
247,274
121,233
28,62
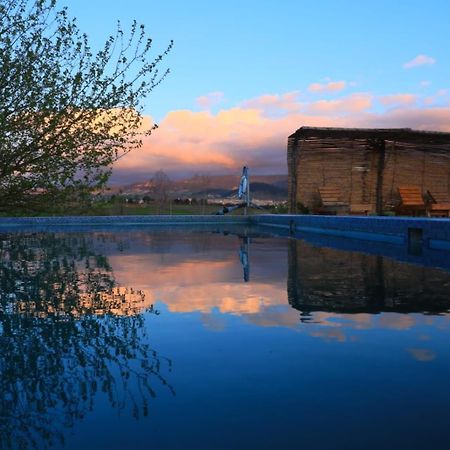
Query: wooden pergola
x,y
337,142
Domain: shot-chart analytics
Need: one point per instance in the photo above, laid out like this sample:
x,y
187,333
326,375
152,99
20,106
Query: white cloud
x,y
419,60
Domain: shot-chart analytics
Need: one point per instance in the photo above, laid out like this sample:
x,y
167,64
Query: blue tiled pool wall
x,y
415,240
434,233
419,240
120,220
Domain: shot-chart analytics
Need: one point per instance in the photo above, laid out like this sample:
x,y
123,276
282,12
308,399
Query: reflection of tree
x,y
67,333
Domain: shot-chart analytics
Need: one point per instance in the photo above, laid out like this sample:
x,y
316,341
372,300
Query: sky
x,y
246,74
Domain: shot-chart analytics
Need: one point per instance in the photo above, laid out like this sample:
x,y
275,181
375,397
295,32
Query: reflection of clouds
x,y
424,337
338,327
234,299
395,321
198,284
422,354
333,334
274,317
147,271
209,282
266,316
213,322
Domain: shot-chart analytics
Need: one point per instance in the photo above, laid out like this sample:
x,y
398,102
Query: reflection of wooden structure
x,y
411,201
366,165
325,279
439,204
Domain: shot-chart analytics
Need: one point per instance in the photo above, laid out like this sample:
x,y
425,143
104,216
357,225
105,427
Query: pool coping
x,y
67,221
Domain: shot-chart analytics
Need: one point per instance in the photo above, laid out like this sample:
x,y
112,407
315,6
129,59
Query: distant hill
x,y
263,187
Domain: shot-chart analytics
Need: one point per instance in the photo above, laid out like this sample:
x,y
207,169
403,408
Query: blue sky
x,y
227,55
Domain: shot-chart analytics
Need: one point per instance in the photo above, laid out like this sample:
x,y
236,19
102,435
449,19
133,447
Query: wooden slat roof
x,y
406,135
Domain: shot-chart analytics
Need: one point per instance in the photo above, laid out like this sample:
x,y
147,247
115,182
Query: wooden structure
x,y
366,165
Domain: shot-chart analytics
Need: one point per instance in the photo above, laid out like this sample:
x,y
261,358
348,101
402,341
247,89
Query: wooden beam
x,y
406,135
379,147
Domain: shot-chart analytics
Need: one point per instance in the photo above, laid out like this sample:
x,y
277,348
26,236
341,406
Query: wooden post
x,y
292,155
379,145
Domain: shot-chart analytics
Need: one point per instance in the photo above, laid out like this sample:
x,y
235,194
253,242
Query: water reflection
x,y
328,280
203,273
67,333
206,272
75,310
244,258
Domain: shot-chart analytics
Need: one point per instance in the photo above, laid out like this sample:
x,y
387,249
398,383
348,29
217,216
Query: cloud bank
x,y
255,131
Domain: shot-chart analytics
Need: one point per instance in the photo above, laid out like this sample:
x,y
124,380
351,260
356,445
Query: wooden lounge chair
x,y
439,205
331,201
411,201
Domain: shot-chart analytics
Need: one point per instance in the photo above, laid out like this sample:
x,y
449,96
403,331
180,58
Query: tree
x,y
67,112
161,188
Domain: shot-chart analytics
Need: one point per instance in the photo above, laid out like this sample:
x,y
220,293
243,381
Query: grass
x,y
152,209
127,209
119,207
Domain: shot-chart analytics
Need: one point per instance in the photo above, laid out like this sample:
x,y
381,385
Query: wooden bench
x,y
411,201
439,205
331,201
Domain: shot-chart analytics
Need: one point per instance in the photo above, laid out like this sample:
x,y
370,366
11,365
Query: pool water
x,y
218,340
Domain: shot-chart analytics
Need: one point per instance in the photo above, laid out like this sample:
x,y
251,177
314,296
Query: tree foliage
x,y
67,112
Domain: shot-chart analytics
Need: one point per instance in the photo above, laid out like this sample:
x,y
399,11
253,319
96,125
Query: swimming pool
x,y
225,337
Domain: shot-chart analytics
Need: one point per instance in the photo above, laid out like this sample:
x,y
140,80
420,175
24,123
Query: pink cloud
x,y
351,104
332,86
209,100
268,103
398,99
419,60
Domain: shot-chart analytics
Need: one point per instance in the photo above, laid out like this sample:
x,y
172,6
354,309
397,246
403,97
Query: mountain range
x,y
262,187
